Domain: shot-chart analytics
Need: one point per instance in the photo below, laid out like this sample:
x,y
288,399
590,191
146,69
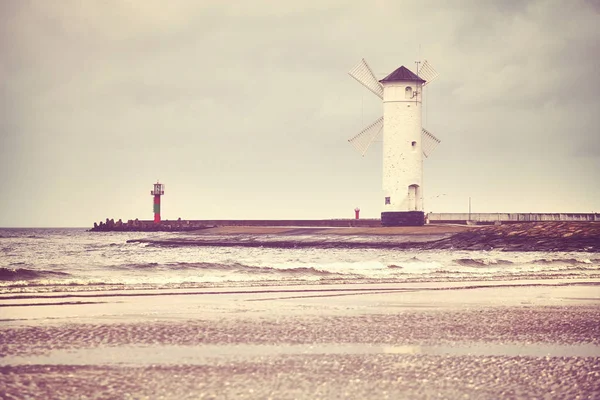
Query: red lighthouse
x,y
159,190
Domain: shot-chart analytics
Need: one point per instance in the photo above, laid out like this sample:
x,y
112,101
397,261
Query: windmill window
x,y
408,93
387,200
414,145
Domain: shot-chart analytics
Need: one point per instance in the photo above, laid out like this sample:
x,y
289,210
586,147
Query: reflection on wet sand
x,y
225,354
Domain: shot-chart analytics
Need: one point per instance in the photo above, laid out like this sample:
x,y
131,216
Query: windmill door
x,y
412,197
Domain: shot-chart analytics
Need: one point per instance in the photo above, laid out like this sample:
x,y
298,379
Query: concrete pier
x,y
435,218
191,225
490,218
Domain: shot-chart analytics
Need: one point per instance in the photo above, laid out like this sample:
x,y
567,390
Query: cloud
x,y
221,98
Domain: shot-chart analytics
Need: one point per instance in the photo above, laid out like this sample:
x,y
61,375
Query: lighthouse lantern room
x,y
159,190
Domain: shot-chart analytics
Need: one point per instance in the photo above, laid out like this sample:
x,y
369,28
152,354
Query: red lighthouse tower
x,y
159,190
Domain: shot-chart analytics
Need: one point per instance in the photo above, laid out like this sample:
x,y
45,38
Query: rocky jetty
x,y
191,225
147,226
526,236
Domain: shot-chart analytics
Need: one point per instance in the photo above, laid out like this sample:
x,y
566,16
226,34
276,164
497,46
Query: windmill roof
x,y
402,74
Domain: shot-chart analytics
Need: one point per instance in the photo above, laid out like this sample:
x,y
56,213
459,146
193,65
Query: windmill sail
x,y
427,72
365,76
430,142
363,140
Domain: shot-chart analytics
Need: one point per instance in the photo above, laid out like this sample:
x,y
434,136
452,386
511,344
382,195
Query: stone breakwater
x,y
148,226
191,225
526,236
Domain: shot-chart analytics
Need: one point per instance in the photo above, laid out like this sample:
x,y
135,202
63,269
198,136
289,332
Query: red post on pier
x,y
356,213
159,190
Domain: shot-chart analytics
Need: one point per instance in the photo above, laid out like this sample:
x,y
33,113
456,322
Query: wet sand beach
x,y
525,339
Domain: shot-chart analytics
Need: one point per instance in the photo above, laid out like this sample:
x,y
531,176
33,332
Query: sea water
x,y
71,260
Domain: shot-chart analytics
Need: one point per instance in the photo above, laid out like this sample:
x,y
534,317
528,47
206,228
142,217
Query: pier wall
x,y
336,223
432,218
190,225
490,218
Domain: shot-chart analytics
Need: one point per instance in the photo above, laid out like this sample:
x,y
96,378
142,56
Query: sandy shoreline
x,y
523,339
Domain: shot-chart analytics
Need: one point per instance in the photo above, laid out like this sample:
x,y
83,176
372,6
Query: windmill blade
x,y
363,140
429,141
365,76
427,72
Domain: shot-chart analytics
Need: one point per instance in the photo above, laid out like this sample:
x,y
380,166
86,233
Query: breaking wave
x,y
24,274
305,271
563,261
229,267
394,266
485,262
481,262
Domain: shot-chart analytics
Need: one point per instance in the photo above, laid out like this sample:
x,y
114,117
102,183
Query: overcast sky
x,y
243,109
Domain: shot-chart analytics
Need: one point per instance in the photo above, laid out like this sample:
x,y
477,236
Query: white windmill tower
x,y
405,141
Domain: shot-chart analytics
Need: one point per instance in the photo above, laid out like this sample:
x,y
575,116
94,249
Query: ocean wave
x,y
562,261
481,262
24,274
303,271
549,263
151,265
394,266
167,266
224,267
